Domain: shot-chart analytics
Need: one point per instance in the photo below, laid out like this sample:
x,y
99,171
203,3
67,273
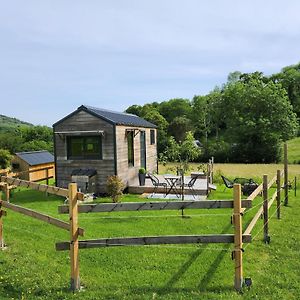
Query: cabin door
x,y
143,149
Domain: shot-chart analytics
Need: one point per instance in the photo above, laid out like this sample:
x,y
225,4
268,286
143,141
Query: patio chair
x,y
191,184
156,183
244,182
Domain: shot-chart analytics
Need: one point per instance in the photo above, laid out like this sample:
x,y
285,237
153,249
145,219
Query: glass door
x,y
143,149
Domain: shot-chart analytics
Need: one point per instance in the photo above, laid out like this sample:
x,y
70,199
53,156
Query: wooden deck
x,y
200,186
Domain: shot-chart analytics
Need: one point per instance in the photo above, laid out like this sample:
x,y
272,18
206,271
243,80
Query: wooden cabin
x,y
100,143
34,165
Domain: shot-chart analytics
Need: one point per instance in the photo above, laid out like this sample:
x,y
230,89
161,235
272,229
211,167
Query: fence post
x,y
265,208
6,191
238,242
1,227
74,255
286,187
278,182
295,186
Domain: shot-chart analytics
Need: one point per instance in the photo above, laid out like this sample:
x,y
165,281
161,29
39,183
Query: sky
x,y
56,55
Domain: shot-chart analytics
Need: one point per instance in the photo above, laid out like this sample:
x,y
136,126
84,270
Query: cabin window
x,y
15,166
152,137
84,147
130,144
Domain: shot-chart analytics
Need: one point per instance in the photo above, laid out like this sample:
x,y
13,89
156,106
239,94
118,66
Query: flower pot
x,y
142,178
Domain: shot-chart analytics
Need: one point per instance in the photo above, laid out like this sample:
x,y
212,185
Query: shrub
x,y
142,171
5,159
115,187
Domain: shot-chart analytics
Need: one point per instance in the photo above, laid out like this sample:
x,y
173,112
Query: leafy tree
x,y
179,128
188,150
134,109
200,116
175,108
5,159
289,78
156,118
258,116
36,145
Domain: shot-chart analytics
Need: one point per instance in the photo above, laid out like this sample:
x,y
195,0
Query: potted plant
x,y
142,176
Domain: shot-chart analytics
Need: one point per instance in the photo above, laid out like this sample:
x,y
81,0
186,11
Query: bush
x,y
115,187
5,159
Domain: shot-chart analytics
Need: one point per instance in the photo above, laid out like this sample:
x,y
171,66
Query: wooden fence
x,y
74,244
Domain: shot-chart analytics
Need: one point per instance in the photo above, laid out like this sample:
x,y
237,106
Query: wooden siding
x,y
26,170
39,175
83,121
124,171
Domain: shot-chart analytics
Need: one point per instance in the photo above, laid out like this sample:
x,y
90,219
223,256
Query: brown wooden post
x,y
286,187
212,169
1,228
238,244
74,255
6,191
265,209
295,186
278,182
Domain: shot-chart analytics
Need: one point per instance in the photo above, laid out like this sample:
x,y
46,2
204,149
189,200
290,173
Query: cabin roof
x,y
34,158
116,118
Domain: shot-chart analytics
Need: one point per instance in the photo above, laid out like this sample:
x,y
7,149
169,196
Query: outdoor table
x,y
172,180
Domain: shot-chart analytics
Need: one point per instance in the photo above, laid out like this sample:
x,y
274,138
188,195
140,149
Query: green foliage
x,y
179,127
258,116
175,108
188,150
115,187
142,171
5,159
25,138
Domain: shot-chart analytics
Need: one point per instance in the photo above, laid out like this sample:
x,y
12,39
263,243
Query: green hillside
x,y
8,124
294,150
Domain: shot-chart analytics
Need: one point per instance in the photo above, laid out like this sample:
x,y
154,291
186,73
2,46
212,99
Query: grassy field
x,y
255,171
32,269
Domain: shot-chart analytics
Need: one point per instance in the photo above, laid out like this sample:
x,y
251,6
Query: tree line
x,y
244,120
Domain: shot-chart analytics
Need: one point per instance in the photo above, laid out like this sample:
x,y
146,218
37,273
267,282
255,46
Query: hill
x,y
8,124
294,150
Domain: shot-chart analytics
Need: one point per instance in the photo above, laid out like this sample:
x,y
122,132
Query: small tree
x,y
115,187
5,159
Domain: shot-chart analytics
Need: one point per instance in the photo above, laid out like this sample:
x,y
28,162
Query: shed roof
x,y
34,158
116,118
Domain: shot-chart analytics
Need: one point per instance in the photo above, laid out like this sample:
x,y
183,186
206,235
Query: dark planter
x,y
142,178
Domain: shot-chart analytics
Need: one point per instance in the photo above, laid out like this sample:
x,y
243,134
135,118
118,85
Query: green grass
x,y
32,269
294,151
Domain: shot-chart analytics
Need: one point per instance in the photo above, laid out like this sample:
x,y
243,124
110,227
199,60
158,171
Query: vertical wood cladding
x,y
83,121
126,172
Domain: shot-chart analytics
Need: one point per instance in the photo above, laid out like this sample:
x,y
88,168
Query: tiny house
x,y
102,143
33,165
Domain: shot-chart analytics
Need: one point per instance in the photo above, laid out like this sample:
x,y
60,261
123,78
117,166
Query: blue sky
x,y
57,55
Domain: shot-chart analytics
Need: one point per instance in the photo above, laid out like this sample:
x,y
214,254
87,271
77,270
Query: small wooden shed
x,y
34,165
103,143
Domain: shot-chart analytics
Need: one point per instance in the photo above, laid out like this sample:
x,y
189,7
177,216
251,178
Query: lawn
x,y
32,269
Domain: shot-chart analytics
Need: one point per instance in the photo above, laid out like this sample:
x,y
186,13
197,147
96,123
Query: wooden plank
x,y
6,192
153,240
40,216
74,255
258,214
265,208
1,227
255,193
286,176
238,238
278,196
157,205
40,187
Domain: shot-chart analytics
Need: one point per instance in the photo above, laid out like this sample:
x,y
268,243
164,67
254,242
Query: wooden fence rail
x,y
40,216
39,187
153,240
157,205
